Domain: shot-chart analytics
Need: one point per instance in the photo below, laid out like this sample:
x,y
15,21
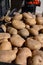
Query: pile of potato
x,y
22,39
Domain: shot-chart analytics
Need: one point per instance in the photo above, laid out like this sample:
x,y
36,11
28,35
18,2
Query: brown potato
x,y
3,27
5,45
33,44
24,32
38,52
1,40
39,38
39,20
18,24
37,60
35,29
12,30
22,56
27,15
27,26
4,35
7,19
17,40
18,17
32,15
8,55
30,21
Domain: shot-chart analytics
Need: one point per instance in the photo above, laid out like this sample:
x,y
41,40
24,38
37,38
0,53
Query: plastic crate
x,y
4,6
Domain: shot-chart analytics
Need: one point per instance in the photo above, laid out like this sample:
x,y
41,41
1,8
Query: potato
x,y
3,27
4,35
27,15
38,27
24,32
39,38
30,21
33,44
17,40
7,19
12,30
22,56
18,17
4,39
38,52
27,26
37,60
8,55
5,45
39,20
35,29
18,24
32,15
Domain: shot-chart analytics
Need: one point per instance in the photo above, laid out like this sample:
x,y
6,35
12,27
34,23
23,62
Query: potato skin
x,y
39,38
30,21
27,15
27,26
35,29
17,17
24,32
39,20
8,55
4,36
7,19
23,54
17,40
33,44
12,30
37,60
3,27
38,52
5,45
18,24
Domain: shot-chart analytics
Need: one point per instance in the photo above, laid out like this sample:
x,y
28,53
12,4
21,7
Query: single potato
x,y
17,40
18,24
24,32
33,44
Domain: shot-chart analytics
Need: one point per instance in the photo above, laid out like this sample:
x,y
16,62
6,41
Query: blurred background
x,y
15,5
40,9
